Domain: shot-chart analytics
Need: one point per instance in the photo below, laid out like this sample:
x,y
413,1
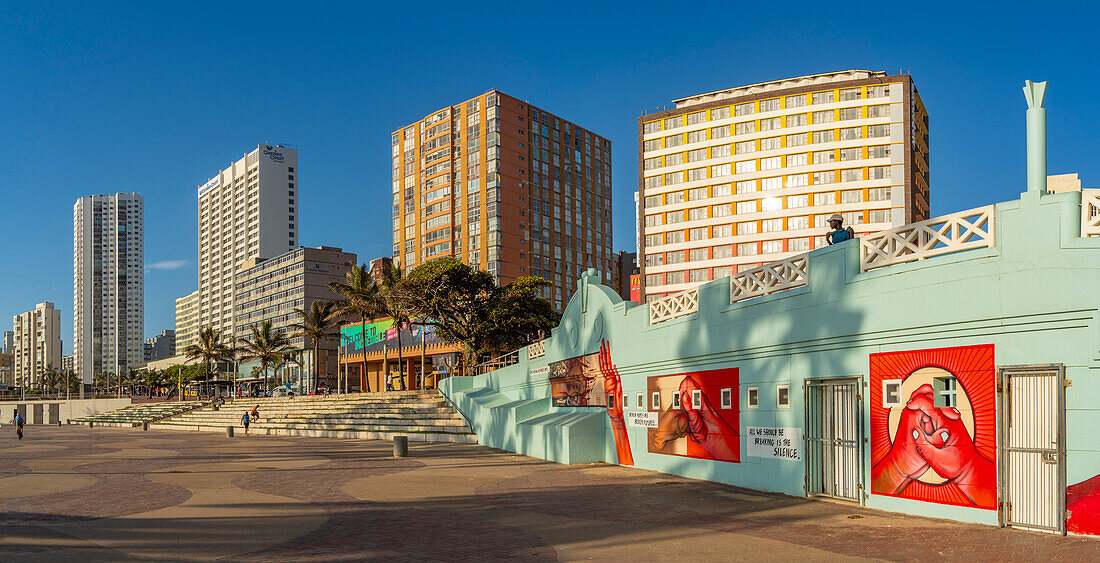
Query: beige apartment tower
x,y
505,187
733,179
187,321
37,343
248,210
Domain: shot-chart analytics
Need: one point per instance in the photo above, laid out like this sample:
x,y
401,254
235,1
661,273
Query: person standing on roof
x,y
839,233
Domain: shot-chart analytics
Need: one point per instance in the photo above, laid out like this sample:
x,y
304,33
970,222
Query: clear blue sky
x,y
155,97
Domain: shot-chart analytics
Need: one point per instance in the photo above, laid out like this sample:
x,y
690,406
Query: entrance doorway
x,y
834,439
1033,447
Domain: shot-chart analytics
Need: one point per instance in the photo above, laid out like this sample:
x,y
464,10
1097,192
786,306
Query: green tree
x,y
391,302
318,325
467,305
361,298
50,380
266,345
209,350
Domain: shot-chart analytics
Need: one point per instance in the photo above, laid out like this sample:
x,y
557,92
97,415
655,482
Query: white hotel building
x,y
733,179
248,210
108,284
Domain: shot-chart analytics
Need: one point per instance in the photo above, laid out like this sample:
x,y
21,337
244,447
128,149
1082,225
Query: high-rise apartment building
x,y
67,364
187,320
248,210
7,367
271,290
740,177
108,284
160,346
37,343
9,341
506,187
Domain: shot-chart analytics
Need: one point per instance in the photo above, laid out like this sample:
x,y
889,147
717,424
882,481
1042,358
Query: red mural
x,y
1083,505
697,415
593,381
938,440
613,385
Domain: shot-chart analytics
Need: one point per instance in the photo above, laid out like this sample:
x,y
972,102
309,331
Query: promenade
x,y
73,493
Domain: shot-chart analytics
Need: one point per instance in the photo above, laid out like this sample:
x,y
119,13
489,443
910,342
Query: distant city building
x,y
37,343
108,284
506,187
67,363
242,213
623,264
9,341
187,320
739,177
160,346
7,368
378,267
271,290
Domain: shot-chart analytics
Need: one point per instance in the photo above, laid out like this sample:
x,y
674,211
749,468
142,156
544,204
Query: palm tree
x,y
50,379
316,324
209,350
390,304
361,295
266,344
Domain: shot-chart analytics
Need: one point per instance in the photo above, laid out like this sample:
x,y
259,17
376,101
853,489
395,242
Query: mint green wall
x,y
1033,296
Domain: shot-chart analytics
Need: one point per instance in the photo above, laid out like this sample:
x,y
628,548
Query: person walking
x,y
244,422
255,414
17,420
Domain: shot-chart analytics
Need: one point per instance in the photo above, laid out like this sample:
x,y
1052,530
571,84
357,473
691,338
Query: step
x,y
465,438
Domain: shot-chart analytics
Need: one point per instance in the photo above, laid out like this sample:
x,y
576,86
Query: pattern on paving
x,y
121,494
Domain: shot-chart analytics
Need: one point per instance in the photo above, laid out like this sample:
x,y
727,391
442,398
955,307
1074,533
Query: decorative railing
x,y
770,278
495,363
536,349
964,230
676,305
1090,213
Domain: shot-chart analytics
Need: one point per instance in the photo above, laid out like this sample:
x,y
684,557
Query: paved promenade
x,y
118,494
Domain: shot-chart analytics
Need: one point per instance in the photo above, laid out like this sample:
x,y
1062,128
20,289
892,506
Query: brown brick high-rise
x,y
506,187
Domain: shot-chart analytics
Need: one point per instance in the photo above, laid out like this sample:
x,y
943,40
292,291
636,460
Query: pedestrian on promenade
x,y
17,420
244,422
255,412
839,233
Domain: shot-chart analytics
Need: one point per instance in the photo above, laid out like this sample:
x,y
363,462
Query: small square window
x,y
626,400
945,391
656,400
891,393
611,401
752,397
783,396
696,399
675,399
641,400
727,398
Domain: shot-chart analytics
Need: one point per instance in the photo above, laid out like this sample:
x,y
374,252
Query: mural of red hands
x,y
613,386
705,430
935,453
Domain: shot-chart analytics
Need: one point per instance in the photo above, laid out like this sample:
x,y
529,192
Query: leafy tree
x,y
390,302
318,325
209,350
267,345
50,380
467,305
360,300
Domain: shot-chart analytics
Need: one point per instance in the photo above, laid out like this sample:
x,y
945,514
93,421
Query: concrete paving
x,y
74,493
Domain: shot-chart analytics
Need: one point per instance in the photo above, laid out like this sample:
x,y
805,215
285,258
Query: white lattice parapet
x,y
769,278
1090,213
536,349
676,305
916,241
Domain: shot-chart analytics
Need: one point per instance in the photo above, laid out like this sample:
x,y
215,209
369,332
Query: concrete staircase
x,y
135,415
423,416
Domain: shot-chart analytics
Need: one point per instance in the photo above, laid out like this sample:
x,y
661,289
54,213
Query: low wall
x,y
50,411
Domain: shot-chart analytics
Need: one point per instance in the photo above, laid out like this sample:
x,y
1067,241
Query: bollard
x,y
400,446
59,423
229,431
91,424
145,426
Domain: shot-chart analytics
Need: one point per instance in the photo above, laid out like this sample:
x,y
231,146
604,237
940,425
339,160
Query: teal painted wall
x,y
1033,296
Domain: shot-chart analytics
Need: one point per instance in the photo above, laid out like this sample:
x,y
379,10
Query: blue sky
x,y
155,97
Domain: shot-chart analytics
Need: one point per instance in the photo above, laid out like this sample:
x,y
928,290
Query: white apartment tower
x,y
37,345
108,284
187,321
246,211
739,177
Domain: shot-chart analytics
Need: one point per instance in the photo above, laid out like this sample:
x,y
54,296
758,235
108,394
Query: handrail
x,y
1090,213
536,349
770,278
964,230
672,306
